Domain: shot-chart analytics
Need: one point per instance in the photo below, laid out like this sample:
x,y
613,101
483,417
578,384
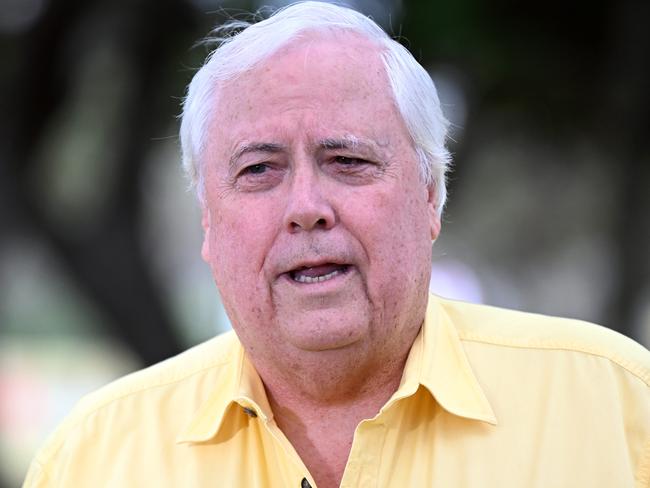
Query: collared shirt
x,y
488,398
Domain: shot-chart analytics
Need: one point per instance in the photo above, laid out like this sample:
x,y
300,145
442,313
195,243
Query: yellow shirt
x,y
489,398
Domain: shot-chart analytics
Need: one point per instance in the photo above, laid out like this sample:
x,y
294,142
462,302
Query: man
x,y
317,147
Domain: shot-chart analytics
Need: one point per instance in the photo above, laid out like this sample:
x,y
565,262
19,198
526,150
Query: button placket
x,y
363,465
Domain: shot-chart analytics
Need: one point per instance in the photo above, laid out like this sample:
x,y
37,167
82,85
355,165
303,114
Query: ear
x,y
205,224
434,215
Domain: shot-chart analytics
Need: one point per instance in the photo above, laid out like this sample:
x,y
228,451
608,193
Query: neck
x,y
327,379
324,390
322,433
319,407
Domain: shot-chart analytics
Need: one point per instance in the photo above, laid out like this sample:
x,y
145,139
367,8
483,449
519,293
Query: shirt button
x,y
304,483
250,412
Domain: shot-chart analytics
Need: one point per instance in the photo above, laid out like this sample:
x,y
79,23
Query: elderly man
x,y
317,147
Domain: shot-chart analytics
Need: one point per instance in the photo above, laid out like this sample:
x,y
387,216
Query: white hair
x,y
242,45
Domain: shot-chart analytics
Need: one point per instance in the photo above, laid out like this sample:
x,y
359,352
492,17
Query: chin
x,y
316,332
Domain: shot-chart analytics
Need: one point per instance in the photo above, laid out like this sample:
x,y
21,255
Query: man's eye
x,y
255,169
347,161
258,176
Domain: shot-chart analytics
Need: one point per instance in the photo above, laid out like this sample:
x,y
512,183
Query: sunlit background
x,y
100,271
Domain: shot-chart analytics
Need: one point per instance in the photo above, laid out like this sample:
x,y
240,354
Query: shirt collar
x,y
436,361
238,385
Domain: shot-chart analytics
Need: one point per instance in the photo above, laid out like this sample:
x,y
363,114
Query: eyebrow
x,y
267,147
349,142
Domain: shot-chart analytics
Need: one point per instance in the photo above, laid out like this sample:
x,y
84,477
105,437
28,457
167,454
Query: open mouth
x,y
318,274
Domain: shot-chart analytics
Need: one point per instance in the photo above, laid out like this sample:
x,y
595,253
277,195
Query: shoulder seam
x,y
155,385
96,408
632,368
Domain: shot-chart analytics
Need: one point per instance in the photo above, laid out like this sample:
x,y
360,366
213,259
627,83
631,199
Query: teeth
x,y
316,279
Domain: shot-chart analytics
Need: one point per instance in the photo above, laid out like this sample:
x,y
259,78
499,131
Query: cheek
x,y
396,236
398,221
238,252
240,237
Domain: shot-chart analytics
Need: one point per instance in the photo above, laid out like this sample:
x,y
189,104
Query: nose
x,y
308,203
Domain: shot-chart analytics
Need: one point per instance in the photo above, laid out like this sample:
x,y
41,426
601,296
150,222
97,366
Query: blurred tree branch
x,y
106,260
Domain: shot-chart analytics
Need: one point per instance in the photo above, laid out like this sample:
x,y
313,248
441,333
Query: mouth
x,y
319,273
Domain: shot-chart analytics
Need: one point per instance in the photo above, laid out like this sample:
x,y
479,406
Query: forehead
x,y
322,83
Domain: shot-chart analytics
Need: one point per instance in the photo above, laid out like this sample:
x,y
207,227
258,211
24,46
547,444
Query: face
x,y
318,228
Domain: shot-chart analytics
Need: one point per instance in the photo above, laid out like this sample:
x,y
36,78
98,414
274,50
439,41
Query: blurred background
x,y
100,272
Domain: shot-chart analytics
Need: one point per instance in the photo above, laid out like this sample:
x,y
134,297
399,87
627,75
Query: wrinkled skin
x,y
310,172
